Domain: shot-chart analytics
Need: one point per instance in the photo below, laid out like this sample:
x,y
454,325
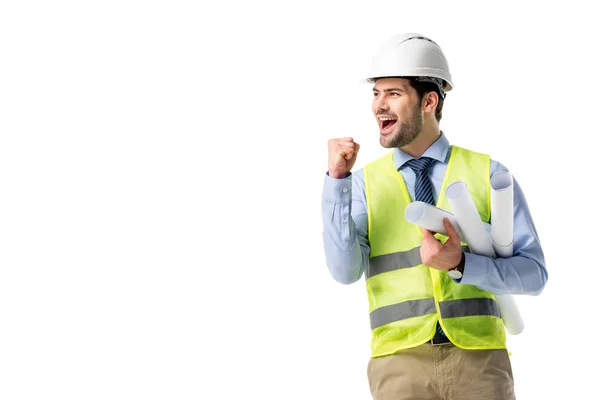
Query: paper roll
x,y
480,242
468,219
510,313
502,210
502,205
430,217
503,251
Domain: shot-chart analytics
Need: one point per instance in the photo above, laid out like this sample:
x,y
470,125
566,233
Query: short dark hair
x,y
425,87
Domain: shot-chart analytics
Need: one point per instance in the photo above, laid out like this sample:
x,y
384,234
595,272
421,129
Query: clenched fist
x,y
342,156
440,256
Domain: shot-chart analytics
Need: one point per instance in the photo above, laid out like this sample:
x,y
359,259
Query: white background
x,y
161,168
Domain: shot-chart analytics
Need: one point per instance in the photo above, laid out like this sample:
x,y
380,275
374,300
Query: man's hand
x,y
342,156
440,256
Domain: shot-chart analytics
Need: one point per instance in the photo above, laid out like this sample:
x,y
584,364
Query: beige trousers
x,y
442,372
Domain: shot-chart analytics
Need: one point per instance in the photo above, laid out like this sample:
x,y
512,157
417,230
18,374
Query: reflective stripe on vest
x,y
390,262
406,298
448,309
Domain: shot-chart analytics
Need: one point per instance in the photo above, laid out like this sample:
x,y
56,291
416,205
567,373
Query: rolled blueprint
x,y
502,213
430,217
502,237
480,242
467,216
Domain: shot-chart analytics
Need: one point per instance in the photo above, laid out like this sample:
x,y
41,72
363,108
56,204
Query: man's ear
x,y
430,101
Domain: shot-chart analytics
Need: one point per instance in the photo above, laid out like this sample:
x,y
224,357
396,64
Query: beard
x,y
405,132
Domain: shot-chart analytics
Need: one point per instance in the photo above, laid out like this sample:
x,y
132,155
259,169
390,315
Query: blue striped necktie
x,y
424,193
423,190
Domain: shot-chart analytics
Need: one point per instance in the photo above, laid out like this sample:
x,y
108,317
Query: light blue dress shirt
x,y
345,225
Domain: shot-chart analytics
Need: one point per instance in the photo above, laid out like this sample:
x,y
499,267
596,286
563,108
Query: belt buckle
x,y
444,341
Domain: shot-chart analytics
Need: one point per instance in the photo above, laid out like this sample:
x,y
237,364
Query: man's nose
x,y
381,104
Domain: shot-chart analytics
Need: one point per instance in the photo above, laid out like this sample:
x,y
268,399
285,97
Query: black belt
x,y
439,338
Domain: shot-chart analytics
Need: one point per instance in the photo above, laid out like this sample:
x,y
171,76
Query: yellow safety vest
x,y
406,298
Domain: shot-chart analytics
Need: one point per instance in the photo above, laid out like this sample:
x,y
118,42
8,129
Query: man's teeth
x,y
386,119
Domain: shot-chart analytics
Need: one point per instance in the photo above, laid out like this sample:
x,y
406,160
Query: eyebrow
x,y
391,90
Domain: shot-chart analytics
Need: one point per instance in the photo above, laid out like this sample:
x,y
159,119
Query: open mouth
x,y
386,124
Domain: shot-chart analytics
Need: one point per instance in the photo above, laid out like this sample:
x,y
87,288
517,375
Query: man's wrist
x,y
335,176
456,273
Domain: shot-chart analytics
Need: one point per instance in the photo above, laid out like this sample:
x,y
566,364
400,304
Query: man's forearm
x,y
514,275
344,236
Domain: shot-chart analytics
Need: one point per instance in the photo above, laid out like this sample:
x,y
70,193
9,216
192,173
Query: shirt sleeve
x,y
345,226
523,273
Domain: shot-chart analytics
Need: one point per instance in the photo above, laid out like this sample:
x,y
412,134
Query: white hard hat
x,y
412,55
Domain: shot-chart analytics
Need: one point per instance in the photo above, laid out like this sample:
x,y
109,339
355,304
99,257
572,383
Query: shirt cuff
x,y
337,190
475,269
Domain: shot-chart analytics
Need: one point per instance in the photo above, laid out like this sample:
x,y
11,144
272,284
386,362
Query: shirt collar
x,y
439,151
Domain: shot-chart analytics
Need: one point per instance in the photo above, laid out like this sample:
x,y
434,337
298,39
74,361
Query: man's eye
x,y
394,94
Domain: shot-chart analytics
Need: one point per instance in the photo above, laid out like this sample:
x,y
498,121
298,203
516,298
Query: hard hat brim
x,y
448,86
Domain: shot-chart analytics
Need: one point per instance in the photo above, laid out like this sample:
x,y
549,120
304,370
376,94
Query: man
x,y
434,335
